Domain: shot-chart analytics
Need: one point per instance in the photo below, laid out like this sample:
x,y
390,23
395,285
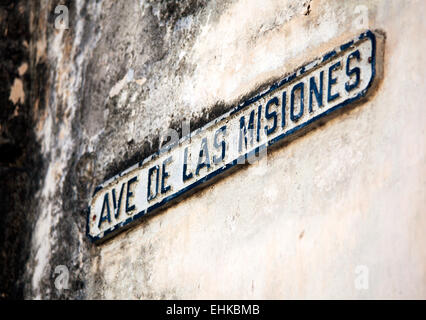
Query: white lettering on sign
x,y
313,92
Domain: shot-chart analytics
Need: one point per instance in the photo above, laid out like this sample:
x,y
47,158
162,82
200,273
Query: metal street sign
x,y
288,108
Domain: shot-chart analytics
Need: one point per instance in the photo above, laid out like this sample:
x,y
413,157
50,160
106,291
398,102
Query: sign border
x,y
278,84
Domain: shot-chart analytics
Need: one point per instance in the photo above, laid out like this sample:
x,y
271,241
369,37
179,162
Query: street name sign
x,y
289,107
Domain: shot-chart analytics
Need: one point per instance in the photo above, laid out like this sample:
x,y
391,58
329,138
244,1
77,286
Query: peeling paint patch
x,y
117,87
41,49
140,81
23,69
115,90
17,93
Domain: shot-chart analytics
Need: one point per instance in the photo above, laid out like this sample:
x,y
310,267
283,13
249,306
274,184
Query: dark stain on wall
x,y
20,161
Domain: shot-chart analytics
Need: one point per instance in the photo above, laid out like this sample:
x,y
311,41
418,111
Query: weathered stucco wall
x,y
347,196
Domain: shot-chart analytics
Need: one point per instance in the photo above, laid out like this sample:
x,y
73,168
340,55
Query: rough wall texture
x,y
97,96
